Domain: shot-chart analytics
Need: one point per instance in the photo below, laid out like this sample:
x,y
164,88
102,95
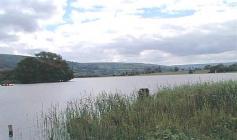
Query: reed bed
x,y
192,112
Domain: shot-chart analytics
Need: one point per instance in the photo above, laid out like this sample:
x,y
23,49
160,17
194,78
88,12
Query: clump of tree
x,y
191,71
44,67
152,70
221,68
176,69
207,67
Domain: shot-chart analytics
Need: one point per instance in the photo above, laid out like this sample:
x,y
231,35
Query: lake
x,y
21,104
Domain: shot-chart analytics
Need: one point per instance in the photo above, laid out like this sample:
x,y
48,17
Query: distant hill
x,y
113,69
8,62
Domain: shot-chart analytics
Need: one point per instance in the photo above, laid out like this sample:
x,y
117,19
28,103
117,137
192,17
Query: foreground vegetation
x,y
192,112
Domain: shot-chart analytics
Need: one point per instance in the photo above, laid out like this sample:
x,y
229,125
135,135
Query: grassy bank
x,y
178,72
192,112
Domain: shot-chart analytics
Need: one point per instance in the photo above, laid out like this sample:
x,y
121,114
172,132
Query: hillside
x,y
114,69
8,62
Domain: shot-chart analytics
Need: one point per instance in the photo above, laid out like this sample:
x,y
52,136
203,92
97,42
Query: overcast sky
x,y
150,31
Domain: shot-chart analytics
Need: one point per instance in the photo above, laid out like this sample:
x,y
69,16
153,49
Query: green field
x,y
192,112
177,73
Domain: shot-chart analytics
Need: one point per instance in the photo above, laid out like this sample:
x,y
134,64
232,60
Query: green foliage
x,y
222,68
45,67
48,56
9,62
176,69
7,75
115,69
191,71
207,67
192,112
167,134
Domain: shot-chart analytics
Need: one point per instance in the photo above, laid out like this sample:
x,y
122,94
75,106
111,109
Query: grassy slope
x,y
198,112
110,69
8,62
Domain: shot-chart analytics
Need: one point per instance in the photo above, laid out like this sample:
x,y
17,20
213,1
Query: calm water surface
x,y
20,104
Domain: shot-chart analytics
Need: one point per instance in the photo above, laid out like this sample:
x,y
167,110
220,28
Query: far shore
x,y
148,74
159,73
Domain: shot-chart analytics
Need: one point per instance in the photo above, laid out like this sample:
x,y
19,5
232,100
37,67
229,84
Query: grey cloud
x,y
217,39
194,47
43,9
22,16
40,9
32,51
4,37
19,49
14,21
173,27
85,54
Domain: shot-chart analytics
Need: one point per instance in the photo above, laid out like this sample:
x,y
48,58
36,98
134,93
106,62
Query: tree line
x,y
221,68
44,67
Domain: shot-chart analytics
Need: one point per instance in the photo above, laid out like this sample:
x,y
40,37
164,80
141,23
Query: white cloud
x,y
115,30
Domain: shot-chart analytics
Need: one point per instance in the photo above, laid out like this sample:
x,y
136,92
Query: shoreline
x,y
158,74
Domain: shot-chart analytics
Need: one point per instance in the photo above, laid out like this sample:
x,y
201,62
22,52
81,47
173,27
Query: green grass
x,y
191,112
177,73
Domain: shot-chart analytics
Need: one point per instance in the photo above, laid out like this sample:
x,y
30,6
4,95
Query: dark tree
x,y
45,67
218,68
48,56
207,67
158,69
232,67
7,75
191,71
223,68
27,70
176,69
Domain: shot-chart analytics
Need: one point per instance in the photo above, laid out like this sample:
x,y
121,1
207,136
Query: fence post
x,y
10,128
143,92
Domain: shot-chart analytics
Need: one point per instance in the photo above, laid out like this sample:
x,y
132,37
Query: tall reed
x,y
199,112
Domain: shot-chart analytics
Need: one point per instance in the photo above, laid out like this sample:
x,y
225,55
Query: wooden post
x,y
10,128
143,92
